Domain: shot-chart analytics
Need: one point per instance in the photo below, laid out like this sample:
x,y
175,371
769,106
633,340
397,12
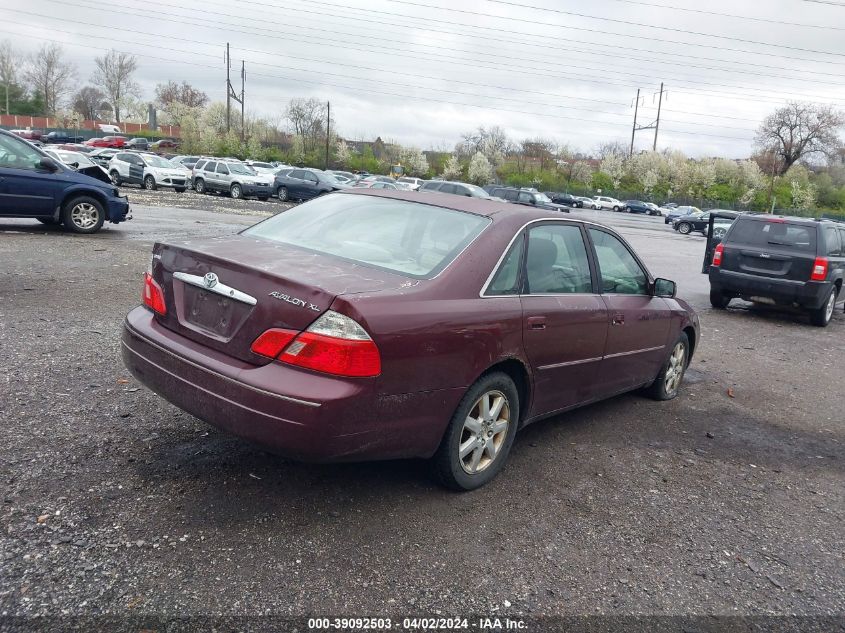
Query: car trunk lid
x,y
225,292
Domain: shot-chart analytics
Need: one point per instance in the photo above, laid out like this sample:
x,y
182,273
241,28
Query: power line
x,y
483,62
396,94
615,20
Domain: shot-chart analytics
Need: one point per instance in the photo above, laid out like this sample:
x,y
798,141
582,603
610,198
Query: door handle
x,y
537,323
618,319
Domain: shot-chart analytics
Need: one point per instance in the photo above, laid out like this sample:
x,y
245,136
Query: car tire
x,y
820,317
718,299
236,192
199,186
115,177
684,228
83,214
282,194
150,183
616,208
179,190
668,381
476,467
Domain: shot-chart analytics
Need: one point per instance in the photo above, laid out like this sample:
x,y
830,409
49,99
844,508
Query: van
x,y
109,129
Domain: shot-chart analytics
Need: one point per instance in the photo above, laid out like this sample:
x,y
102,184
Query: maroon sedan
x,y
374,325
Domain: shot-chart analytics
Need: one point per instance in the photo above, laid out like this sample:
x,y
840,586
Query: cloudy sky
x,y
420,72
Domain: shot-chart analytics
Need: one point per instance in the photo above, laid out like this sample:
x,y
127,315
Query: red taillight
x,y
153,295
819,269
272,342
717,255
334,344
331,355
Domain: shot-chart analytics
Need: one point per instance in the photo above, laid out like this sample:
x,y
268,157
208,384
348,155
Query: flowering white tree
x,y
413,160
614,166
342,152
453,169
803,195
480,170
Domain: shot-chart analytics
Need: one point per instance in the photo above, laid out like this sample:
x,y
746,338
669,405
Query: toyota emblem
x,y
210,280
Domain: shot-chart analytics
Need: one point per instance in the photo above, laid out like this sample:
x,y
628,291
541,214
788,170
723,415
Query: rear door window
x,y
831,240
210,166
506,279
557,261
766,234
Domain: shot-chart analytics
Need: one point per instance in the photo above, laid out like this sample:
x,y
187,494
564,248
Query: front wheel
x,y
821,316
479,437
150,183
668,381
115,177
199,186
83,215
616,208
684,228
236,192
282,193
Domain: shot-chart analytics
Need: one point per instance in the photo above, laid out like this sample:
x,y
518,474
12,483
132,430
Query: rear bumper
x,y
296,413
804,294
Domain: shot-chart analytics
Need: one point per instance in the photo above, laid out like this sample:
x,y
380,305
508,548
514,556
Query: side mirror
x,y
665,288
48,164
74,165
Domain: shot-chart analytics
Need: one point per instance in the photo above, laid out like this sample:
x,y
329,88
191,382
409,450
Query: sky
x,y
422,72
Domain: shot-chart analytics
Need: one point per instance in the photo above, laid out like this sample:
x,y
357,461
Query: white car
x,y
589,203
606,202
147,170
413,183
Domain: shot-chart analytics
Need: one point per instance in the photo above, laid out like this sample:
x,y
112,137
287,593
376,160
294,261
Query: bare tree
x,y
114,75
179,100
308,120
50,75
89,102
10,60
799,130
612,148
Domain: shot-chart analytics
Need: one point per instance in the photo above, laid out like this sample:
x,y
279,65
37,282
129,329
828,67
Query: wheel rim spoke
x,y
484,432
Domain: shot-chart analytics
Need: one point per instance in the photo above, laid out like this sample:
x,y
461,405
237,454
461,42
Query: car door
x,y
209,174
295,183
565,322
222,178
310,185
26,189
136,168
639,323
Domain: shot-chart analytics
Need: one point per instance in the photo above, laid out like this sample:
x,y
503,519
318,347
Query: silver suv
x,y
232,177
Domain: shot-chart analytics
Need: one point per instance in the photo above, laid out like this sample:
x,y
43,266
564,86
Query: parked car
x,y
699,221
413,183
107,128
29,135
638,206
233,178
377,184
456,188
677,212
783,261
528,197
349,177
163,144
102,156
655,210
39,187
362,325
58,138
565,198
589,203
140,144
78,162
606,202
304,184
148,171
96,142
76,147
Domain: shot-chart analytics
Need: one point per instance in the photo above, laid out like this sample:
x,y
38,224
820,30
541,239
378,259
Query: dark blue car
x,y
33,185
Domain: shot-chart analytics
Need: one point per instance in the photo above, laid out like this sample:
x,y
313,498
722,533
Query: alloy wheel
x,y
149,183
828,309
484,432
84,215
675,371
684,228
236,191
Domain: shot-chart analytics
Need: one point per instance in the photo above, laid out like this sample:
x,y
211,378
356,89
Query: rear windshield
x,y
767,234
413,239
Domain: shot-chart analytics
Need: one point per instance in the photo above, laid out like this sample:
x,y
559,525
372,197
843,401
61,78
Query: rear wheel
x,y
479,437
282,193
718,299
684,228
668,381
115,177
83,215
199,186
236,192
822,316
616,208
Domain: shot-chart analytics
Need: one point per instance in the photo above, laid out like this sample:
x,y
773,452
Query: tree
x,y
453,169
799,130
480,170
613,165
179,101
413,160
342,153
308,120
581,171
114,75
611,148
89,102
9,62
51,77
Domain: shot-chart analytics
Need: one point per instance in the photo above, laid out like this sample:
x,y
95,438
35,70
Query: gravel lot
x,y
725,501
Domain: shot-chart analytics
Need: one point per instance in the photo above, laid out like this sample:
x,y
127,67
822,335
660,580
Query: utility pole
x,y
634,130
328,130
231,94
657,123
